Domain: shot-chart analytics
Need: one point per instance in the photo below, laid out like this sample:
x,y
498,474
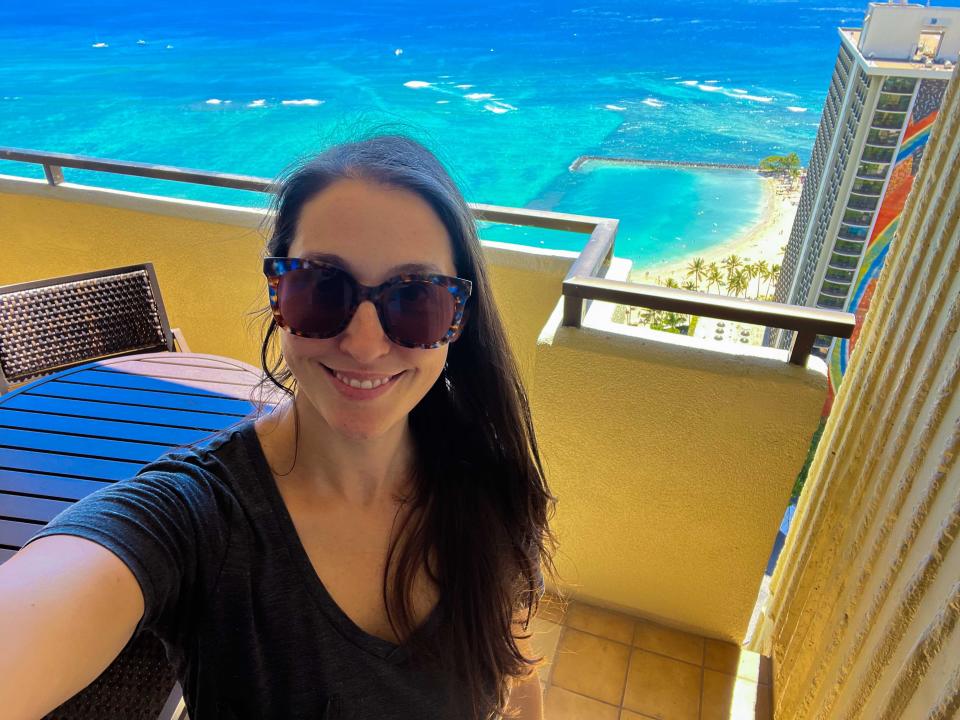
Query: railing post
x,y
54,174
801,346
572,311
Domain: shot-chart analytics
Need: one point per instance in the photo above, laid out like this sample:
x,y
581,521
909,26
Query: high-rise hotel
x,y
887,86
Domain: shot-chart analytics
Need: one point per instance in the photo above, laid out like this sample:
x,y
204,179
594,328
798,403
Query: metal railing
x,y
583,283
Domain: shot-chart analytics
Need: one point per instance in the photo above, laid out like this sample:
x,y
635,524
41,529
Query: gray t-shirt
x,y
229,589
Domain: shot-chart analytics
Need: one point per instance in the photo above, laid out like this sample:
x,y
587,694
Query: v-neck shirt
x,y
228,587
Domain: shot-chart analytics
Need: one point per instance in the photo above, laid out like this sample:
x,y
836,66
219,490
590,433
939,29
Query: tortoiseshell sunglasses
x,y
317,300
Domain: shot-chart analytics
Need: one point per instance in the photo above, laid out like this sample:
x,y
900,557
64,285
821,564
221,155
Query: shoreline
x,y
763,240
649,162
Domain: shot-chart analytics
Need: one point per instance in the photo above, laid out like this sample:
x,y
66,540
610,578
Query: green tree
x,y
738,282
731,263
714,277
697,268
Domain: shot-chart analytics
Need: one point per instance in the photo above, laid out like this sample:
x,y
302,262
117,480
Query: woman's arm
x,y
526,697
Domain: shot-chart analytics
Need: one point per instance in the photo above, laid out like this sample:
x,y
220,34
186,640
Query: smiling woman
x,y
372,548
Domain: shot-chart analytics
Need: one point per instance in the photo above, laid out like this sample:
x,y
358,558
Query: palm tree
x,y
714,277
671,283
738,283
763,272
775,275
698,269
690,285
731,263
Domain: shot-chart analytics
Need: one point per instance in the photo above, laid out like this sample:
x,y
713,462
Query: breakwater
x,y
584,159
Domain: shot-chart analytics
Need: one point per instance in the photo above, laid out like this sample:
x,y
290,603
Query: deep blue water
x,y
507,93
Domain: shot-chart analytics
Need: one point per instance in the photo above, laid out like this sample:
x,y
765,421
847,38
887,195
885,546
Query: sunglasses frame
x,y
460,288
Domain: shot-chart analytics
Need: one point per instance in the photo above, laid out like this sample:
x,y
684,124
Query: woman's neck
x,y
363,473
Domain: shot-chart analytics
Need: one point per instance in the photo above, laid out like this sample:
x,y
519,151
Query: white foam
x,y
495,108
169,47
141,42
739,91
618,108
711,82
689,83
415,84
464,86
654,103
305,101
214,101
100,45
709,88
398,52
673,77
478,96
442,102
508,106
258,103
794,108
755,98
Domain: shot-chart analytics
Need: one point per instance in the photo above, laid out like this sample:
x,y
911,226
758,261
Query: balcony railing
x,y
584,282
898,85
872,188
893,102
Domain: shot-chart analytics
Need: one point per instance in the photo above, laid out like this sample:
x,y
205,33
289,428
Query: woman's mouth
x,y
366,389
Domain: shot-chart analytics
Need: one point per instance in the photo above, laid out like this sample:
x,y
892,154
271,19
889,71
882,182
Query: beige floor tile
x,y
727,697
552,608
562,704
667,641
721,656
662,687
591,666
611,625
545,637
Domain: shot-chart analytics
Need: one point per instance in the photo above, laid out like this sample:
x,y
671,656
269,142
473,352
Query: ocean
x,y
508,94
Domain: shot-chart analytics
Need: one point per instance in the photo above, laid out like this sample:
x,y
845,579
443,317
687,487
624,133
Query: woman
x,y
372,547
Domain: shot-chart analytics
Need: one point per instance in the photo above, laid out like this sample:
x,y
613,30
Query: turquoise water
x,y
508,94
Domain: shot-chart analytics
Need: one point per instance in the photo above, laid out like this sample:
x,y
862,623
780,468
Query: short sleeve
x,y
166,527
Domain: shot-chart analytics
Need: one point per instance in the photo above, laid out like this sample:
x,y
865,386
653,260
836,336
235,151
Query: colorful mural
x,y
907,163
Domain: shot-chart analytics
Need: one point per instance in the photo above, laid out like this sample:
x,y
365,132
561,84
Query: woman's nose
x,y
364,337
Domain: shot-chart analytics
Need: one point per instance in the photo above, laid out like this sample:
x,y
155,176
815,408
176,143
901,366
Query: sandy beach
x,y
764,240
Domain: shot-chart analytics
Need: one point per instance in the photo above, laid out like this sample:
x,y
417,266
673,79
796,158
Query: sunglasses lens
x,y
419,313
315,301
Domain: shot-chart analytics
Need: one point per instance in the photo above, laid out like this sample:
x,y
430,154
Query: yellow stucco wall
x,y
673,462
865,604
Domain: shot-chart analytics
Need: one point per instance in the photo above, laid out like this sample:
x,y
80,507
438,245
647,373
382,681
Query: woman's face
x,y
375,230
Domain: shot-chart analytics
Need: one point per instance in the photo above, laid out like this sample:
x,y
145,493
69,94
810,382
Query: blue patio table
x,y
65,435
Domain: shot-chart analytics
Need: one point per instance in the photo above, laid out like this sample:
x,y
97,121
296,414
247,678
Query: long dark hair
x,y
480,499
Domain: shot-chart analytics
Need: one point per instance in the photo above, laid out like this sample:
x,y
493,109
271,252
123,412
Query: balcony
x,y
883,138
898,85
872,171
638,501
854,233
877,154
893,102
872,188
867,203
834,292
888,120
841,276
830,302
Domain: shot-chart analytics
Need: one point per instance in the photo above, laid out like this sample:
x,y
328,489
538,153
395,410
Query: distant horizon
x,y
507,94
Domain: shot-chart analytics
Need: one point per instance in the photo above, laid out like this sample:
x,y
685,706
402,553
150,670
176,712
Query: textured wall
x,y
673,463
866,598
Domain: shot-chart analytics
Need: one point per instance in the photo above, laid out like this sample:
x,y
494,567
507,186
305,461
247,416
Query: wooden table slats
x,y
200,388
134,431
81,467
74,445
144,398
173,417
32,509
50,486
69,434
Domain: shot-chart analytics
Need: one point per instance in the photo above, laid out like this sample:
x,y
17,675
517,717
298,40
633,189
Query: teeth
x,y
364,385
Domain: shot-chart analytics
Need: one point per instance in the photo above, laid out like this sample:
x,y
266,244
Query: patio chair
x,y
49,325
138,685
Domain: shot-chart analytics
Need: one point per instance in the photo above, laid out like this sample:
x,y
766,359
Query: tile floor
x,y
603,665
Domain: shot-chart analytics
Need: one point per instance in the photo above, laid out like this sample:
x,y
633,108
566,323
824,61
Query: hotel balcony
x,y
673,458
